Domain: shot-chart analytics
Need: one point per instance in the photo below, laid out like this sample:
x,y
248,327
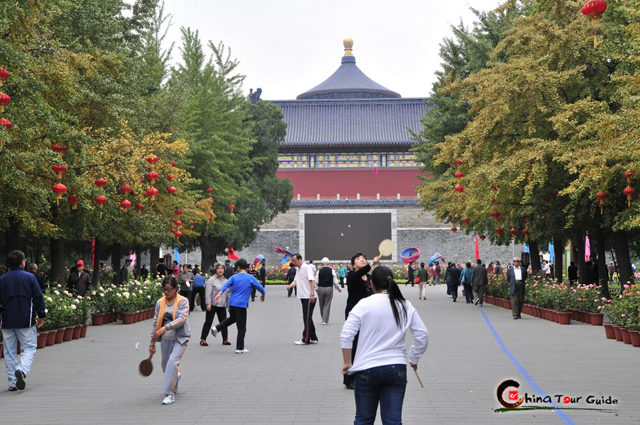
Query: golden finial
x,y
348,45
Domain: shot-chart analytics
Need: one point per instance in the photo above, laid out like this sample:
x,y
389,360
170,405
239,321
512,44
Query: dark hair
x,y
291,264
359,254
422,265
16,258
218,266
468,264
479,261
160,260
242,264
382,279
297,256
227,261
170,280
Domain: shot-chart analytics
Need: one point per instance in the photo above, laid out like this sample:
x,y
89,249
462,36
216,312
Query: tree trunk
x,y
621,247
208,252
96,261
13,236
583,271
138,261
603,272
154,253
535,256
57,274
116,256
558,254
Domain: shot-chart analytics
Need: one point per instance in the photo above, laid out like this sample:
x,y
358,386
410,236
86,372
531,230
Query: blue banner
x,y
176,255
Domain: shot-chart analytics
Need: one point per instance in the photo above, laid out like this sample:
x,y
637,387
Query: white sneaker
x,y
324,323
243,351
299,342
170,399
313,341
214,331
175,388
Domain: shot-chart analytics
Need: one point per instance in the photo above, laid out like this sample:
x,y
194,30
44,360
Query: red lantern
x,y
170,177
526,232
453,221
152,159
495,215
73,200
482,237
59,148
178,233
458,174
601,196
192,223
513,231
232,207
101,200
173,163
628,174
594,9
499,231
139,207
6,123
628,192
178,223
210,190
454,230
125,188
4,74
100,183
59,169
4,101
458,162
58,189
125,204
153,176
494,200
466,220
152,192
459,188
171,190
495,187
173,231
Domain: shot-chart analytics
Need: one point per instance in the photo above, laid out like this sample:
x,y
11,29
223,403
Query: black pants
x,y
468,292
188,295
195,292
452,289
309,332
295,288
208,321
237,315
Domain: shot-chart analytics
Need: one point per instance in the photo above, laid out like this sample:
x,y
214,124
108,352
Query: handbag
x,y
417,280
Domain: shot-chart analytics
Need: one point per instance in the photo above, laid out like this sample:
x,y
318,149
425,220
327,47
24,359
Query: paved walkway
x,y
95,380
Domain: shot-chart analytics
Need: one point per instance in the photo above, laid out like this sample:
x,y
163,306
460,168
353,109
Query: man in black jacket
x,y
79,280
452,277
479,280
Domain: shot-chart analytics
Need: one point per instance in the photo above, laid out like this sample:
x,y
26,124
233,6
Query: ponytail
x,y
382,278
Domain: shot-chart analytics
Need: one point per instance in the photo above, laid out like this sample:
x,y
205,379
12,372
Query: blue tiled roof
x,y
351,122
342,203
348,82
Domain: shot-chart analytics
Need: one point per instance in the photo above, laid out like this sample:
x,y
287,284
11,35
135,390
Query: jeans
x,y
28,343
237,315
384,385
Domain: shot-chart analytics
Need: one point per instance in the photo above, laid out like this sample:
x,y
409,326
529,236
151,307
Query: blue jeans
x,y
28,344
385,385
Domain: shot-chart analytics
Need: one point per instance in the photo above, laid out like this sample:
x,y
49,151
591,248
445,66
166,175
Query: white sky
x,y
286,47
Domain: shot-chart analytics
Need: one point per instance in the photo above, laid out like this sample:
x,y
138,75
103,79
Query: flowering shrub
x,y
625,309
65,308
276,273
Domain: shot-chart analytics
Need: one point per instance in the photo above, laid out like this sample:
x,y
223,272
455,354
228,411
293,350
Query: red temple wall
x,y
328,183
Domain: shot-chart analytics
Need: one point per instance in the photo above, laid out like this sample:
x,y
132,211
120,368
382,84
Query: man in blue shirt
x,y
198,288
240,284
20,301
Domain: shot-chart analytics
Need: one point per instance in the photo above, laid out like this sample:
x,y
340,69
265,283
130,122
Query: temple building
x,y
349,137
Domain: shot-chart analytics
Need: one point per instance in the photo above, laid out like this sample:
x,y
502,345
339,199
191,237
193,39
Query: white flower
x,y
93,292
119,295
50,299
56,292
79,297
148,297
88,298
101,294
126,294
140,291
73,306
46,310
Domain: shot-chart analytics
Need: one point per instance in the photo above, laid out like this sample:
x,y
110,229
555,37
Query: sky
x,y
286,47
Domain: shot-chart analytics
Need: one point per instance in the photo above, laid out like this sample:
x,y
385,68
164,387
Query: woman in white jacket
x,y
380,368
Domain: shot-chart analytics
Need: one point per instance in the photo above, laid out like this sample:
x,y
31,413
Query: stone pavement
x,y
95,380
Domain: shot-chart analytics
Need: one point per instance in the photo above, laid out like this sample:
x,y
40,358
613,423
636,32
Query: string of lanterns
x,y
4,100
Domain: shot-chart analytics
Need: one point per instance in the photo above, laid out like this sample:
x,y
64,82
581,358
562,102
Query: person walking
x,y
198,289
212,288
186,280
359,287
240,286
423,280
327,280
171,328
305,282
228,269
572,273
380,365
452,277
479,280
342,274
21,300
465,278
291,276
79,280
410,274
123,275
517,277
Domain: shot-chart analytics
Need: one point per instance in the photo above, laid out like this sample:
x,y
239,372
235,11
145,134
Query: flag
x,y
587,249
176,255
551,255
477,249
